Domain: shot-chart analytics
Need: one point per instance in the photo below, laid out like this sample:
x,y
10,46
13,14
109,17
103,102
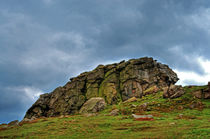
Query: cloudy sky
x,y
45,42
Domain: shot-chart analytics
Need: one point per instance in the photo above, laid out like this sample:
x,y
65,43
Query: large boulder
x,y
93,105
173,91
115,82
202,94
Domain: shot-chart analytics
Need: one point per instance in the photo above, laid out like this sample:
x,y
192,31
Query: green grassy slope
x,y
184,117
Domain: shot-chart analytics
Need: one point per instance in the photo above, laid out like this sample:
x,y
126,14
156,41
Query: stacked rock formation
x,y
115,82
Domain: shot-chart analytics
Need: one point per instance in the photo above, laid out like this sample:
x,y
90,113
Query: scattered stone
x,y
172,123
13,123
144,106
133,106
89,114
114,112
62,116
196,105
133,99
143,117
180,116
93,105
173,91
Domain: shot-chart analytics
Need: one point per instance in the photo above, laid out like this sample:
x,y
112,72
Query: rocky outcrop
x,y
115,82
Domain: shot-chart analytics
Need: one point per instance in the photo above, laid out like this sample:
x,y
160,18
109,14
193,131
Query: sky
x,y
45,42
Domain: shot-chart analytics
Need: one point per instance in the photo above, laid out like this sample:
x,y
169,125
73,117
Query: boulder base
x,y
93,105
202,94
173,91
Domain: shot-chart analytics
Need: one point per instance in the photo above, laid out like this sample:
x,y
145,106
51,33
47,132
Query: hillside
x,y
184,117
131,99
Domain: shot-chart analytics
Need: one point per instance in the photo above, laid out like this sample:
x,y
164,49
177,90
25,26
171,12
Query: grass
x,y
173,119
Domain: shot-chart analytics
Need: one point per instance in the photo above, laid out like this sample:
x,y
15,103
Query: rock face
x,y
114,82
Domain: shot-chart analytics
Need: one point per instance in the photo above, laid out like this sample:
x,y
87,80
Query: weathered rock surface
x,y
143,117
173,91
93,105
115,82
202,94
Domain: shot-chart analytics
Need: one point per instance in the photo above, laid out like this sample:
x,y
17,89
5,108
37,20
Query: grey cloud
x,y
15,101
45,42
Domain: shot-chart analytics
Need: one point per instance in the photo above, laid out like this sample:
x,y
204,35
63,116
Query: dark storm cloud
x,y
44,42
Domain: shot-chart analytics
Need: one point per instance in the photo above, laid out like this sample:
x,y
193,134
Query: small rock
x,y
142,116
62,116
114,112
180,116
133,106
172,123
143,107
89,114
196,105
